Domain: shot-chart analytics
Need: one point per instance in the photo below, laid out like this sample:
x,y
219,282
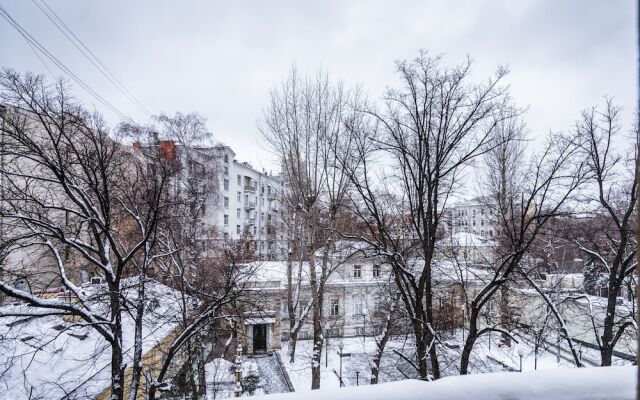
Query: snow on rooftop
x,y
601,383
467,239
53,355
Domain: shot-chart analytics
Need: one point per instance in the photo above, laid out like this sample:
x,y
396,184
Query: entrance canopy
x,y
259,321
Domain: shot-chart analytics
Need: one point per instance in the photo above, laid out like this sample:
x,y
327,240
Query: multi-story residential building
x,y
475,216
250,205
241,202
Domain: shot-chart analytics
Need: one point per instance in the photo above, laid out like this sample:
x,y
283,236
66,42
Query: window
x,y
376,271
335,307
474,222
238,212
238,229
377,304
304,335
357,271
226,158
481,222
358,305
359,330
333,332
226,202
226,220
226,170
226,184
239,197
239,180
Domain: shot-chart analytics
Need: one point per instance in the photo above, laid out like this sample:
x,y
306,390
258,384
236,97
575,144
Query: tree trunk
x,y
317,326
606,351
291,310
469,342
430,337
293,339
421,350
117,367
375,368
505,314
136,368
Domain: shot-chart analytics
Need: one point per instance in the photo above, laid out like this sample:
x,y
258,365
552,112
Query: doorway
x,y
260,337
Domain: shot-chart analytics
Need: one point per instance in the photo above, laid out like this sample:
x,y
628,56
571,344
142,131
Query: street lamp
x,y
341,346
357,378
520,353
326,351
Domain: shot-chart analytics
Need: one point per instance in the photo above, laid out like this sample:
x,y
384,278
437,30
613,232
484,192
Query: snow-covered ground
x,y
487,357
356,363
605,383
53,357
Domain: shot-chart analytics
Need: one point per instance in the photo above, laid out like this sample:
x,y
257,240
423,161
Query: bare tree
x,y
544,186
429,129
304,125
76,197
504,165
613,192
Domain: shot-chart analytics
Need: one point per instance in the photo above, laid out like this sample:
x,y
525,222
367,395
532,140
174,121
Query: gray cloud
x,y
221,58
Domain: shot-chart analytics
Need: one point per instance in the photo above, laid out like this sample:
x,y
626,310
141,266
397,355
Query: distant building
x,y
476,216
251,206
467,247
241,201
357,298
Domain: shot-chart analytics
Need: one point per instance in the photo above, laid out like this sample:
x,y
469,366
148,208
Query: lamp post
x,y
357,378
341,346
326,351
520,353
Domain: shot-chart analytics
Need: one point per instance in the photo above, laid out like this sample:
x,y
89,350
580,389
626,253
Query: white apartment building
x,y
475,216
241,201
249,205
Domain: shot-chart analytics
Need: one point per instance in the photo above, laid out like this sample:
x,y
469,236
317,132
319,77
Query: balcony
x,y
249,188
250,221
249,205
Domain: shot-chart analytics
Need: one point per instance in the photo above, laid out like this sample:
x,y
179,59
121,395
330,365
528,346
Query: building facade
x,y
476,216
241,202
250,206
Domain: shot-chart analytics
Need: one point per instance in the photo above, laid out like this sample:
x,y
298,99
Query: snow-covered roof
x,y
466,239
346,248
54,355
259,321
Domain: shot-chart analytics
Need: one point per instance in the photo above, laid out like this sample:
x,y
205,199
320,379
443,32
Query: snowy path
x,y
272,379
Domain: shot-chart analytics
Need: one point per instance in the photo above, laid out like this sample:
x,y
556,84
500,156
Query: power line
x,y
7,16
88,54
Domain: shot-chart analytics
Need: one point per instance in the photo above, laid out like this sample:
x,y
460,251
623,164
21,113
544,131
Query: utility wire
x,y
7,16
88,54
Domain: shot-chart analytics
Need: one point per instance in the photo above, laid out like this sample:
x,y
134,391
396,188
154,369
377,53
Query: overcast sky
x,y
220,58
